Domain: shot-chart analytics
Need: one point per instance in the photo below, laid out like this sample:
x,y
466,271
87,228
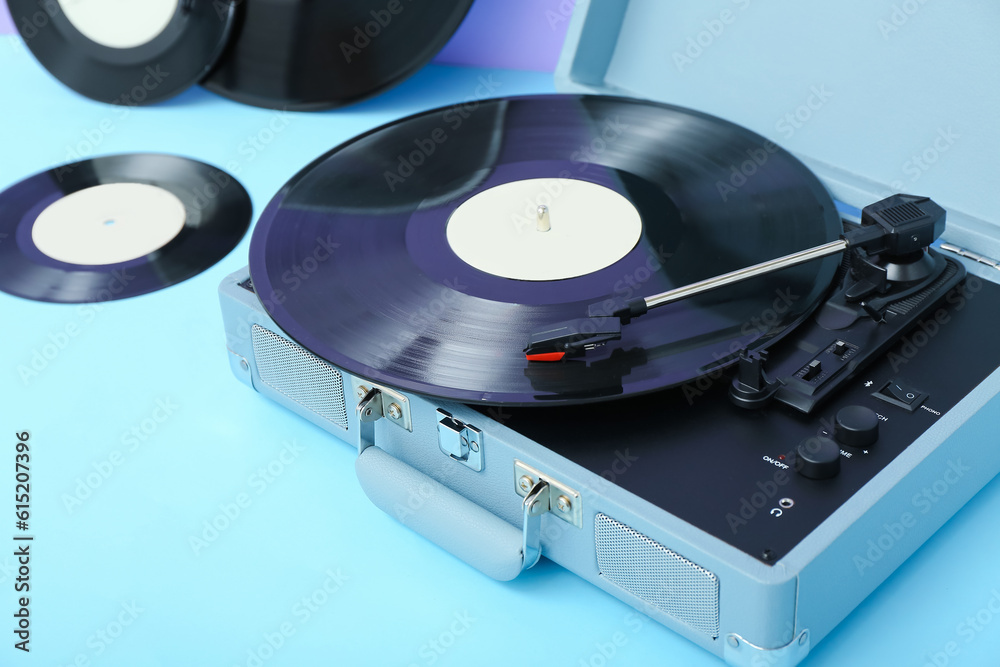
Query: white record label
x,y
500,230
108,224
119,24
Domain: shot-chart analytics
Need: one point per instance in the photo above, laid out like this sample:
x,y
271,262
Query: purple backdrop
x,y
5,23
516,34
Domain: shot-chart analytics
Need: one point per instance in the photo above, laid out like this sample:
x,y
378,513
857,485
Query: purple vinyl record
x,y
117,226
369,256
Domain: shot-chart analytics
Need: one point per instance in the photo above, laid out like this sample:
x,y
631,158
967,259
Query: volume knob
x,y
856,426
817,458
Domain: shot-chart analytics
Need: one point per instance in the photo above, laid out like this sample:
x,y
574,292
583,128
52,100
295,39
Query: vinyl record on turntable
x,y
424,254
304,55
117,226
122,51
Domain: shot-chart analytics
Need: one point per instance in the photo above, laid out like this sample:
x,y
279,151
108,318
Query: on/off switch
x,y
901,394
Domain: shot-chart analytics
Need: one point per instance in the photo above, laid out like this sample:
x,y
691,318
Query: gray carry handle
x,y
456,524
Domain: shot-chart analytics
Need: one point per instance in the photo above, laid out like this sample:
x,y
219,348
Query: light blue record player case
x,y
875,98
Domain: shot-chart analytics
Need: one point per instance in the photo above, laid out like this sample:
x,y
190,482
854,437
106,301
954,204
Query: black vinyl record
x,y
126,53
305,55
117,226
356,260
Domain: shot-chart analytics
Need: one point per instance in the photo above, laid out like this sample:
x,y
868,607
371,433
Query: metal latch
x,y
542,494
563,501
374,404
460,441
534,506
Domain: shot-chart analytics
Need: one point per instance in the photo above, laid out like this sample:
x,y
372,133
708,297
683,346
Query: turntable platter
x,y
368,257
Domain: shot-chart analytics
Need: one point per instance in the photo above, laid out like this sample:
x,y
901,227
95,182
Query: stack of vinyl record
x,y
123,225
281,54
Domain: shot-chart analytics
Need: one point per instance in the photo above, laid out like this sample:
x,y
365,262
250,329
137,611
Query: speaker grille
x,y
657,575
299,375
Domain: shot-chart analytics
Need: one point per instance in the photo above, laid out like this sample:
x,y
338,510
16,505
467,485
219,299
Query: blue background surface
x,y
127,545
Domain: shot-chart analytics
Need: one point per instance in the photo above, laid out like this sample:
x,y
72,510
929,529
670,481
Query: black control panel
x,y
763,479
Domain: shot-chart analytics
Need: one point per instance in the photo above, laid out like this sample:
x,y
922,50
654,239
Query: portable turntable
x,y
638,339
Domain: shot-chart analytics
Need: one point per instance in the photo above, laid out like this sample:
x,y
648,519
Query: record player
x,y
637,339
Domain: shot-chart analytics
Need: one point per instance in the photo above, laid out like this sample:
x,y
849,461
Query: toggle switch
x,y
814,368
901,394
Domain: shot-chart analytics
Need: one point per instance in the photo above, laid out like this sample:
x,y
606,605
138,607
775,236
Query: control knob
x,y
817,458
856,426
